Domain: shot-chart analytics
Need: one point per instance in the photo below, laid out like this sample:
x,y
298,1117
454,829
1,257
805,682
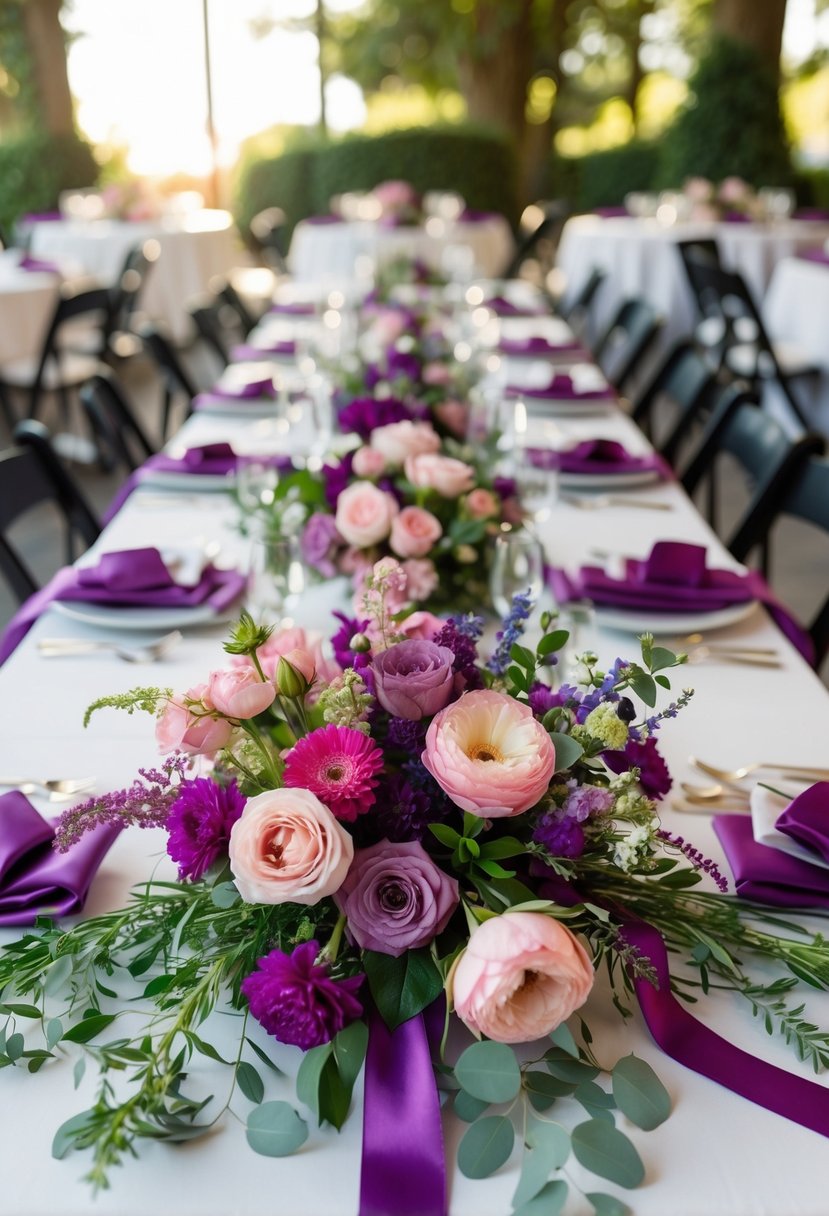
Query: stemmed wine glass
x,y
517,567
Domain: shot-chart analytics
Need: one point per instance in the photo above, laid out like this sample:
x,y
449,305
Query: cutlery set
x,y
726,793
150,653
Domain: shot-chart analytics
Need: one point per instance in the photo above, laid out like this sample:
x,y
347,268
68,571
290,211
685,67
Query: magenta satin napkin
x,y
562,388
35,880
246,353
598,456
252,391
766,874
806,819
38,265
540,347
505,308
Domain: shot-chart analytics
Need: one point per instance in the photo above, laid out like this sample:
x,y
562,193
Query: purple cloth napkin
x,y
811,215
610,213
806,819
737,217
598,456
518,349
767,875
815,255
257,354
252,391
470,215
561,388
38,265
34,879
131,578
320,220
293,310
676,579
505,308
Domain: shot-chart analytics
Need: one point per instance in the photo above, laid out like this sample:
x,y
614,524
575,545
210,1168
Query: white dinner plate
x,y
664,624
105,616
258,407
567,407
608,481
191,482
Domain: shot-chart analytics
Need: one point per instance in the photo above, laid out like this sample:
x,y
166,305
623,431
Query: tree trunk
x,y
759,24
494,77
47,46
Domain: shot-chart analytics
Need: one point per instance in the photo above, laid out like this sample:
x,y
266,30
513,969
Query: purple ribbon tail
x,y
691,1043
403,1171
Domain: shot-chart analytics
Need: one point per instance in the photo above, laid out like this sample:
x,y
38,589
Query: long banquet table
x,y
717,1155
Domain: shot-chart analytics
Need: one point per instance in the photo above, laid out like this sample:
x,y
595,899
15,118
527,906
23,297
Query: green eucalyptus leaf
x,y
543,1089
54,1031
20,1011
562,1036
568,750
606,1205
548,1147
402,987
88,1028
274,1129
79,1070
606,1151
250,1083
644,686
486,1146
468,1108
548,1202
350,1047
489,1071
551,642
225,895
58,974
308,1077
562,1065
640,1094
522,656
65,1136
15,1046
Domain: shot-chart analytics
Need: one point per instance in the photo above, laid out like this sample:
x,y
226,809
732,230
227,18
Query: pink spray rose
x,y
481,504
520,977
420,625
398,440
421,578
280,645
368,462
239,692
436,373
287,847
188,724
449,477
489,754
454,415
414,532
364,514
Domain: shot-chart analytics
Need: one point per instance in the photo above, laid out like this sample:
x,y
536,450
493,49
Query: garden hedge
x,y
36,167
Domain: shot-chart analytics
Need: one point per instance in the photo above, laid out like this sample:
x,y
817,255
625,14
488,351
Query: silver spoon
x,y
65,647
598,502
57,788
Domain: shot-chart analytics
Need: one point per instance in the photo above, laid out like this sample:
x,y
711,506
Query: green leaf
x,y
606,1151
606,1205
54,1031
274,1129
79,1070
548,1149
225,895
551,642
518,678
645,687
64,1139
446,835
661,657
562,1036
505,846
486,1146
568,750
263,1056
308,1077
544,1090
334,1095
402,987
88,1028
15,1045
663,681
640,1094
350,1047
494,870
250,1083
206,1049
58,974
522,656
489,1071
548,1202
565,1068
20,1011
468,1108
160,984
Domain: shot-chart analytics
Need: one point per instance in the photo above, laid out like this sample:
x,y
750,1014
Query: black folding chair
x,y
30,474
688,385
769,456
118,432
269,231
207,318
626,341
539,240
225,289
122,341
575,308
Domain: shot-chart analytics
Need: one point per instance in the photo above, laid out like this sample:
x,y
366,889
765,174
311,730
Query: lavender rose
x,y
320,540
395,898
414,679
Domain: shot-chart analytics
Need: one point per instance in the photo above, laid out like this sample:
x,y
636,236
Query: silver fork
x,y
598,502
702,654
151,653
57,788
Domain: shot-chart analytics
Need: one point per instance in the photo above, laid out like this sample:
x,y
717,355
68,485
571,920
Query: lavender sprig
x,y
512,630
144,804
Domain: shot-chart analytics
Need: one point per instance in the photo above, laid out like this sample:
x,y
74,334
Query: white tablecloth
x,y
640,260
327,252
795,311
27,301
717,1155
192,250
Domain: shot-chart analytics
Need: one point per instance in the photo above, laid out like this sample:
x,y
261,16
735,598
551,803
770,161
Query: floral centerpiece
x,y
732,196
399,203
421,835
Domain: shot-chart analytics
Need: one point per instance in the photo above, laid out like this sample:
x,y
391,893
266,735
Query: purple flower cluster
x,y
145,804
583,801
335,478
404,811
510,633
697,858
654,776
407,734
296,1000
341,640
561,837
319,543
460,635
365,414
199,824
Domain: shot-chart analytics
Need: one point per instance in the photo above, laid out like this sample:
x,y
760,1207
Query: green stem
x,y
331,951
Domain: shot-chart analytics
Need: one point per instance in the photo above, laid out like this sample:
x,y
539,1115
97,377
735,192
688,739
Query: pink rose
x,y
481,504
421,578
734,190
302,662
239,692
414,532
288,848
189,723
436,373
454,415
364,514
280,645
520,977
489,754
398,440
368,462
698,189
449,477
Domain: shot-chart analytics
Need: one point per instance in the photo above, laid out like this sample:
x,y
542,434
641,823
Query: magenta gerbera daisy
x,y
339,765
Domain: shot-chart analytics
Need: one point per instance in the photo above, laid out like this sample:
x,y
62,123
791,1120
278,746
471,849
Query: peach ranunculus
x,y
239,692
414,532
482,504
364,514
489,754
287,847
368,462
421,578
521,976
449,477
398,440
189,723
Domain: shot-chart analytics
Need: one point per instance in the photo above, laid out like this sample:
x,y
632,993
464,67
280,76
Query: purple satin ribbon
x,y
599,456
691,1043
403,1168
35,880
815,255
768,875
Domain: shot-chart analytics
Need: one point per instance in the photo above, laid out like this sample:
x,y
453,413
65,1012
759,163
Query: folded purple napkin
x,y
293,310
253,391
505,308
813,215
767,875
610,213
737,217
518,348
806,819
470,215
598,456
676,579
256,354
815,255
34,879
130,578
562,388
38,265
320,220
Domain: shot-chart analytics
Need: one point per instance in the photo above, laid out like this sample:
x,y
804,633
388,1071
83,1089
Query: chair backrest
x,y
575,308
176,381
113,421
807,498
207,319
31,473
698,250
127,291
268,229
689,382
541,239
233,300
71,304
626,340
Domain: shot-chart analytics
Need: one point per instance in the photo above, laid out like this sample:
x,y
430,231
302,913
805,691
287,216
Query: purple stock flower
x,y
561,837
335,478
296,1000
144,804
319,543
586,800
460,635
199,825
396,898
408,734
414,679
654,776
401,364
365,414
